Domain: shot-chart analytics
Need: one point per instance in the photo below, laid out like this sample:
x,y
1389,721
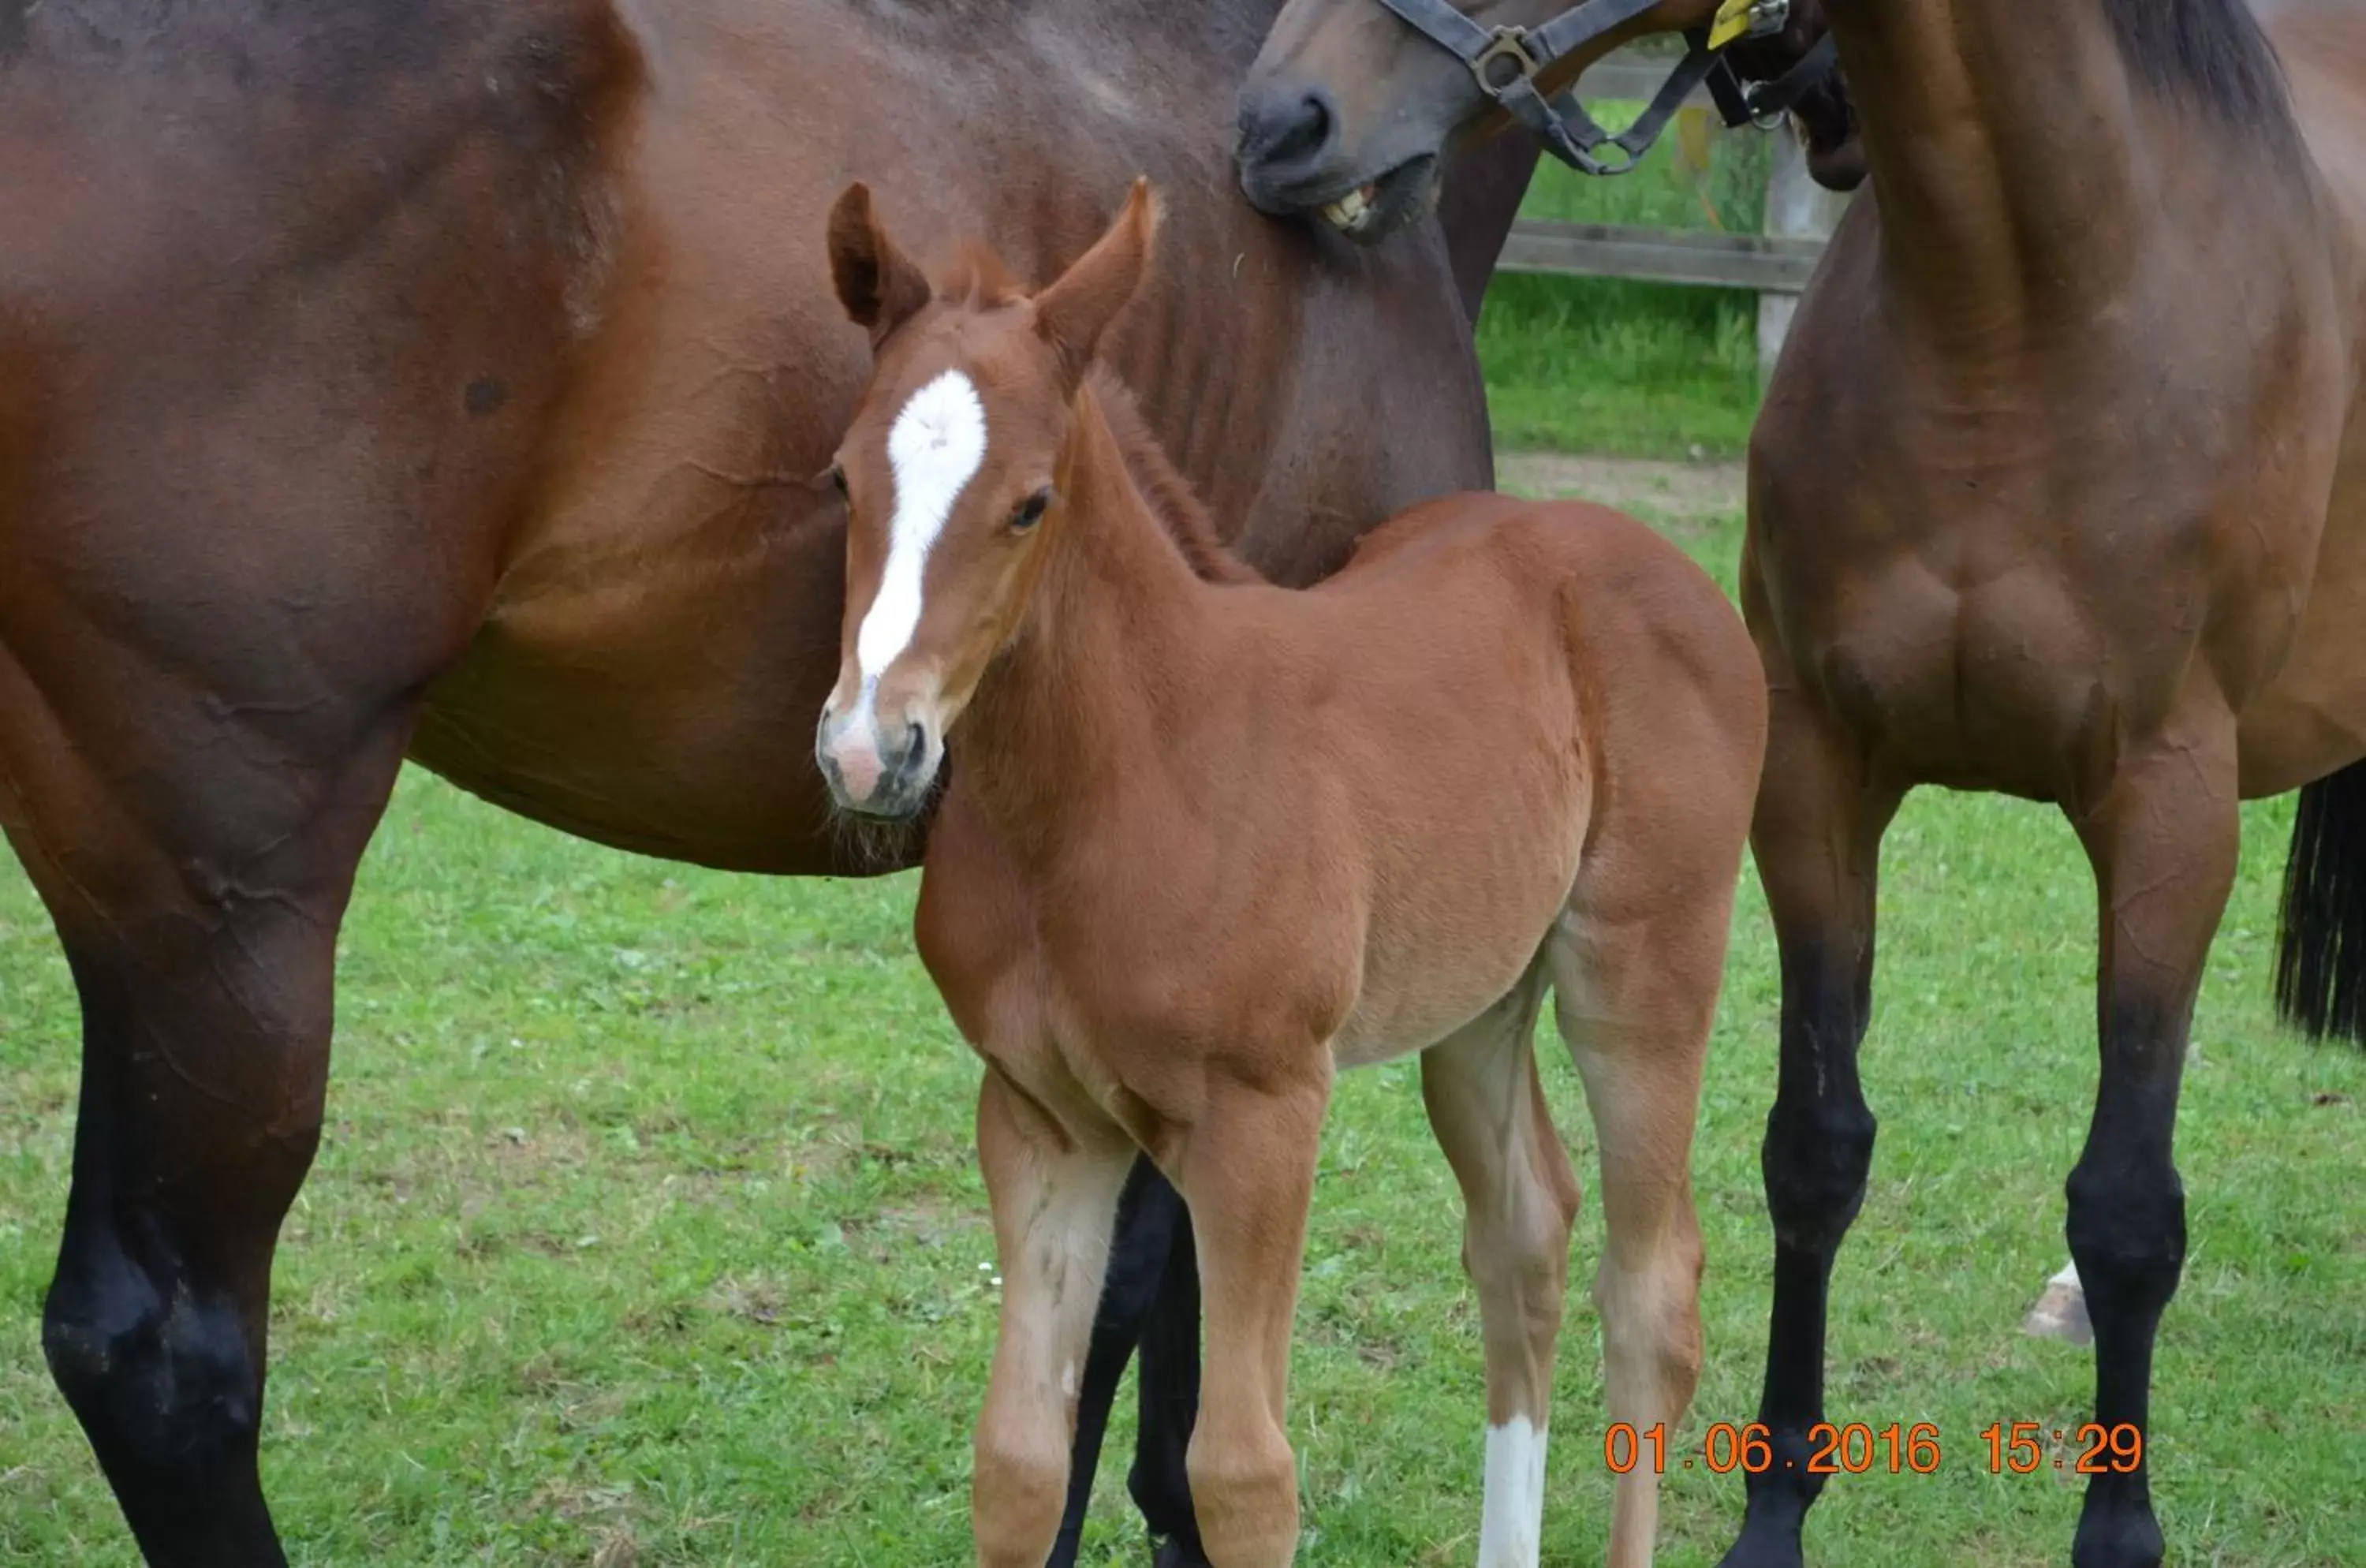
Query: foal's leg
x,y
1055,1190
1817,837
1520,1199
196,853
1635,967
1248,1174
2162,837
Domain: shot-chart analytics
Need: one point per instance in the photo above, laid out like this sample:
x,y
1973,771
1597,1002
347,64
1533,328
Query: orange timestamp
x,y
1859,1447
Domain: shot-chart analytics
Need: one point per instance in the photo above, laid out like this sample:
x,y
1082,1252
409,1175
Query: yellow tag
x,y
1732,22
1693,138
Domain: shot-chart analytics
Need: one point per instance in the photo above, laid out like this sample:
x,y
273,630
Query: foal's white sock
x,y
1511,1521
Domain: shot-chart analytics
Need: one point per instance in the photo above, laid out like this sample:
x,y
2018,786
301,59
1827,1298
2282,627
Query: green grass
x,y
1641,369
647,1225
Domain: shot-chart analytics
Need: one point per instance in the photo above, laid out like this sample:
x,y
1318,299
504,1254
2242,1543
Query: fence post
x,y
1796,207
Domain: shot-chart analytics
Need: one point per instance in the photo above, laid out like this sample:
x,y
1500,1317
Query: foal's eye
x,y
1030,512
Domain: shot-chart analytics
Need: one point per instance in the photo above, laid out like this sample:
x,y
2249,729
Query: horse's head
x,y
950,470
1349,105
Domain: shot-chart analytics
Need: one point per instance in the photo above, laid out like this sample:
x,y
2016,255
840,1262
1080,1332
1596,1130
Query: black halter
x,y
1507,60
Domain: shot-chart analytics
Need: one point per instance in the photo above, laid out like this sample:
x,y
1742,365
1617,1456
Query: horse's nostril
x,y
1310,131
1286,128
915,738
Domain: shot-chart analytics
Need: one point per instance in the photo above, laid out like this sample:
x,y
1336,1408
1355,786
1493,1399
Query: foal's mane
x,y
2212,53
1172,500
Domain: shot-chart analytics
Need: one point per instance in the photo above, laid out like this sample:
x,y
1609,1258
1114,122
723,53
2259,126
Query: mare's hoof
x,y
2061,1312
1763,1548
2125,1537
1748,1554
1174,1553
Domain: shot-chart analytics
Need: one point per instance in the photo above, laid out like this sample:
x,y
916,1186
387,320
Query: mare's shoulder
x,y
306,137
339,105
329,54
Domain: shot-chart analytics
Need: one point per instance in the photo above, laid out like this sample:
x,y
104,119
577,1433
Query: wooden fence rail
x,y
1765,264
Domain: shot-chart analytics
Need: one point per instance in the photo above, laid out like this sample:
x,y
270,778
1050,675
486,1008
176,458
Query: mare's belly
x,y
2312,718
652,672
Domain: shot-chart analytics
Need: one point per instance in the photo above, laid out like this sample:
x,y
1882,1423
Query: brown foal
x,y
1208,841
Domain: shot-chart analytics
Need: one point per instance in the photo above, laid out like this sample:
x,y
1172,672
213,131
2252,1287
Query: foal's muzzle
x,y
876,765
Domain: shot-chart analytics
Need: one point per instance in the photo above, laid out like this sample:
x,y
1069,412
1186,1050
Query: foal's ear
x,y
1073,313
877,283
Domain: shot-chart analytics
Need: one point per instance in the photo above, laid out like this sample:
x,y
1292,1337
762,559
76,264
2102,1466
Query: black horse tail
x,y
2321,935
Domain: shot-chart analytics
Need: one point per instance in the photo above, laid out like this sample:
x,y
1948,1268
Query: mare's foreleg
x,y
1054,1191
1151,1299
1168,1382
2162,834
1520,1197
196,851
1817,836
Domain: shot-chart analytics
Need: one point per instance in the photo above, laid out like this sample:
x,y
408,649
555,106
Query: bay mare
x,y
1208,842
381,378
2059,491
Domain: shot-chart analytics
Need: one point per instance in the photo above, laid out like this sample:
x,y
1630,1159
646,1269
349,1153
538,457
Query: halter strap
x,y
1770,99
1506,61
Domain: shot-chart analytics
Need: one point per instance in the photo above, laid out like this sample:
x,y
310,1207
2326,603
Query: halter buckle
x,y
1739,20
1508,44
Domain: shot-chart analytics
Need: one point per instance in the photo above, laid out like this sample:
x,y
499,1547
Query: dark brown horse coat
x,y
2059,491
383,378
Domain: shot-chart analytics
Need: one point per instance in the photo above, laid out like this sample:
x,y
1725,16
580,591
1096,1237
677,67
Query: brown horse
x,y
2059,491
1352,105
1208,841
409,376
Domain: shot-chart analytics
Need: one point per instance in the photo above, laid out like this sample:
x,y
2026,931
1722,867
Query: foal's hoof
x,y
1174,1553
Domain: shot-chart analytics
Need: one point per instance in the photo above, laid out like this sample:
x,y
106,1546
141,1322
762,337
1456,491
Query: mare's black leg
x,y
1170,1405
2162,834
1147,1211
1817,837
196,853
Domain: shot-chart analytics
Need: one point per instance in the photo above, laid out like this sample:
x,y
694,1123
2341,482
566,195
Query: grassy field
x,y
646,1230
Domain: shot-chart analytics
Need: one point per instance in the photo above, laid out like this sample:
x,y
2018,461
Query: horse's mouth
x,y
1836,163
1370,212
1826,120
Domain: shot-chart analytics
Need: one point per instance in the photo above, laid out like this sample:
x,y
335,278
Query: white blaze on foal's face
x,y
934,448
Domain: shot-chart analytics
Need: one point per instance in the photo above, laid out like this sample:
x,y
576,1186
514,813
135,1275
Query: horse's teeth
x,y
1347,211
